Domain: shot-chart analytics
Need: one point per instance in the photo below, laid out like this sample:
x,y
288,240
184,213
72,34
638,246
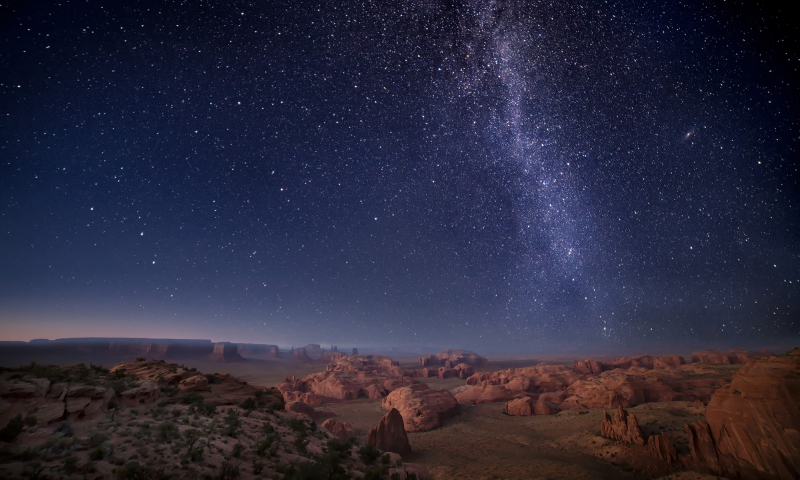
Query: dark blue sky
x,y
482,174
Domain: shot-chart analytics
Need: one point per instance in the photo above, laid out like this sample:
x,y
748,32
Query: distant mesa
x,y
450,358
255,350
734,356
225,352
355,351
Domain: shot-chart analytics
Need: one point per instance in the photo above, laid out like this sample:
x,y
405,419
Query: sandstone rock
x,y
158,371
464,370
19,389
522,407
390,434
58,390
625,427
77,404
422,408
668,361
659,446
307,410
754,421
450,358
713,356
88,391
198,383
145,394
701,445
343,430
49,412
589,367
488,394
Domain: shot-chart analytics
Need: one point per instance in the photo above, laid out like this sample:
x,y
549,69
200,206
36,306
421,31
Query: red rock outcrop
x,y
625,427
659,446
522,407
701,445
343,430
589,367
197,383
390,434
489,394
451,357
754,421
737,355
422,408
156,370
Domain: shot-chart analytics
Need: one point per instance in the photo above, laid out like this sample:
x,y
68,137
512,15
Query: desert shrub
x,y
141,359
301,442
248,404
369,453
228,470
297,424
13,428
213,379
192,398
118,386
117,374
167,431
386,459
268,428
195,454
265,445
96,439
375,473
279,406
258,467
96,454
70,464
133,471
395,476
232,424
98,369
237,450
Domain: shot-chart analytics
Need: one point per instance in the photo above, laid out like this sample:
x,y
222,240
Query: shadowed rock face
x,y
625,427
422,408
390,434
754,422
342,430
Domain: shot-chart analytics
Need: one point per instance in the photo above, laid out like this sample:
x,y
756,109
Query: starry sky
x,y
479,174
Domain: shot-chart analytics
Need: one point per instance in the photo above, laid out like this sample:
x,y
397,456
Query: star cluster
x,y
488,174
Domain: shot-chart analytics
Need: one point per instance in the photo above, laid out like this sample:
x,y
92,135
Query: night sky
x,y
478,174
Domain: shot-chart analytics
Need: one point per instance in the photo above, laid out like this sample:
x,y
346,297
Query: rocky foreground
x,y
151,419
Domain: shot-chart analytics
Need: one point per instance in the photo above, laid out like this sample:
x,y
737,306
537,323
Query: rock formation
x,y
525,407
489,394
390,434
197,383
450,358
348,378
255,350
625,427
659,446
342,430
754,422
422,408
225,352
355,351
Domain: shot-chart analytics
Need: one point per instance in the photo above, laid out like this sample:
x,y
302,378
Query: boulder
x,y
145,394
422,408
342,430
49,412
544,409
390,434
625,427
198,383
522,407
488,394
77,404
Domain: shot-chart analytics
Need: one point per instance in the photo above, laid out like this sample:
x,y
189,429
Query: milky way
x,y
484,174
